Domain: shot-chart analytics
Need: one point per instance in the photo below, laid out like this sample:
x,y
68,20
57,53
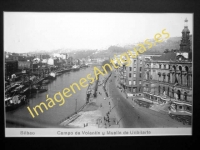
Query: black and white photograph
x,y
74,74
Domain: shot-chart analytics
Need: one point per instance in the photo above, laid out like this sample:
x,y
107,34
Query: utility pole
x,y
76,106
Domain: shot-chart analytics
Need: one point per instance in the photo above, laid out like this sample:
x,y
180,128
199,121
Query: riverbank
x,y
98,113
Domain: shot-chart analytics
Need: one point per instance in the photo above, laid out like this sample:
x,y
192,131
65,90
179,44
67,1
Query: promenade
x,y
98,113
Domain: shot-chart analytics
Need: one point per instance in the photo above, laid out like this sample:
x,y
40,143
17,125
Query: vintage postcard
x,y
98,74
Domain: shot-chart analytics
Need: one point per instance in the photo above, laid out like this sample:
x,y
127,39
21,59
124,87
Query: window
x,y
188,108
134,82
160,66
140,68
140,61
172,93
140,82
134,90
130,68
163,89
134,61
168,77
129,82
134,69
129,75
134,75
140,75
168,91
185,96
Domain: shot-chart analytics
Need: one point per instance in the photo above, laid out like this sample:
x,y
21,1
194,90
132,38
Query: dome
x,y
185,29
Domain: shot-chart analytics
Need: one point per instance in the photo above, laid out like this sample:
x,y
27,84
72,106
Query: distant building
x,y
11,67
24,64
60,55
18,58
70,61
77,62
50,61
94,60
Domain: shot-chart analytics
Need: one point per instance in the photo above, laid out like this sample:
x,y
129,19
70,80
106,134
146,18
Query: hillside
x,y
171,43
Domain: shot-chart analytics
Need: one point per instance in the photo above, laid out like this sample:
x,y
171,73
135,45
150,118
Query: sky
x,y
36,31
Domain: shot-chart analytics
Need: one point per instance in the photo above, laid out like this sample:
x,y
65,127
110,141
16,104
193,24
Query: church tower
x,y
185,42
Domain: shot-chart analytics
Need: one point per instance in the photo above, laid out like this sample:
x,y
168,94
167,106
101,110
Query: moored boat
x,y
75,67
42,88
14,102
84,65
12,87
52,75
45,81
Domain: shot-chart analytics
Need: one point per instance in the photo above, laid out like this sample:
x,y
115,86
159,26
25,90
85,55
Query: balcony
x,y
180,101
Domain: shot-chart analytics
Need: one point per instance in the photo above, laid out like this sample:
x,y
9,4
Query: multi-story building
x,y
132,76
70,61
11,67
168,78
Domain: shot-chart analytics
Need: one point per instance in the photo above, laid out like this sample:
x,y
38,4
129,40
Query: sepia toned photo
x,y
97,74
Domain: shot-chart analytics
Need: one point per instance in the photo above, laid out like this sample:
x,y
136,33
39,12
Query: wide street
x,y
137,117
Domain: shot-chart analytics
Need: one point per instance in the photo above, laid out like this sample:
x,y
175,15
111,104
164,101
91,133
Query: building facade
x,y
168,78
132,76
11,67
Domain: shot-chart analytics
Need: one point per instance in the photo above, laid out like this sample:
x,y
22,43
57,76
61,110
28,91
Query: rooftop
x,y
166,56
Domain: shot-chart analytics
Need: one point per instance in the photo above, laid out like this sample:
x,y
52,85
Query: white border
x,y
60,132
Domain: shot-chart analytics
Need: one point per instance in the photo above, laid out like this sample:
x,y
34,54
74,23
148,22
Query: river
x,y
57,113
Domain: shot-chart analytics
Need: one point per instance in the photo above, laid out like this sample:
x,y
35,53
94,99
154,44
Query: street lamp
x,y
123,78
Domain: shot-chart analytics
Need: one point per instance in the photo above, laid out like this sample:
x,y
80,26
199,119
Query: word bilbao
x,y
60,97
